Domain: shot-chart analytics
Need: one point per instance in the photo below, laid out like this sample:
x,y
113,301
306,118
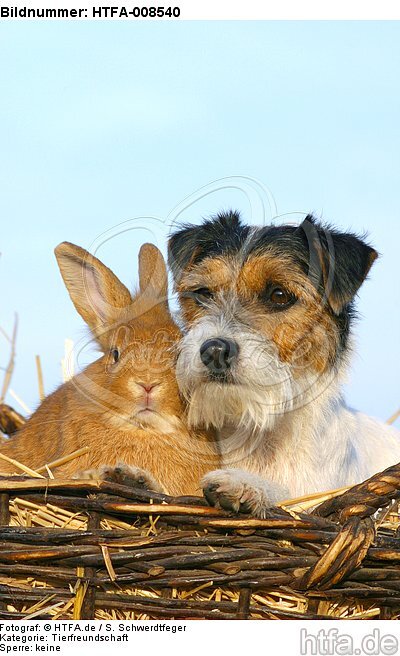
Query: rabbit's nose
x,y
148,386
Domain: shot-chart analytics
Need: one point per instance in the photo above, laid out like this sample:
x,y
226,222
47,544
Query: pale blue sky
x,y
101,122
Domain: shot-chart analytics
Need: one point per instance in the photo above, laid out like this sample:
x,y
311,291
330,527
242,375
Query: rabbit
x,y
125,406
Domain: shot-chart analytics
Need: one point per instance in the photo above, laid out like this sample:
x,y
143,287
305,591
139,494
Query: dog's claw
x,y
210,493
123,475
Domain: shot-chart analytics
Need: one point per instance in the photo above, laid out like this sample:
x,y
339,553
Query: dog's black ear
x,y
183,246
340,261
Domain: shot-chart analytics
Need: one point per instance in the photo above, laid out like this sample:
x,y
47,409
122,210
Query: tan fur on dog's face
x,y
304,334
228,277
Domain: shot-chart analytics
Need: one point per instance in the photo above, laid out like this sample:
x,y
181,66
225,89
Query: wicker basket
x,y
88,549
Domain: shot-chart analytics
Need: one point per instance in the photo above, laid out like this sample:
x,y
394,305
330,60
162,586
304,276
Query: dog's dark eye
x,y
278,298
203,292
199,295
115,354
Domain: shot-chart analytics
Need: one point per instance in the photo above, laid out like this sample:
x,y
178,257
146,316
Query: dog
x,y
267,313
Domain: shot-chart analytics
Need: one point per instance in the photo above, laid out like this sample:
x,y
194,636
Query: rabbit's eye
x,y
115,354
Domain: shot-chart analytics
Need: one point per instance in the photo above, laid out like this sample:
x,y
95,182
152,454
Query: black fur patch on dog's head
x,y
339,261
336,262
190,244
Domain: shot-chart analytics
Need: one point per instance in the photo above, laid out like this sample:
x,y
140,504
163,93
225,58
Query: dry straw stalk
x,y
83,549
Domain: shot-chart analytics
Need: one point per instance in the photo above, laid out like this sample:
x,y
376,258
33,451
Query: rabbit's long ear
x,y
95,291
153,276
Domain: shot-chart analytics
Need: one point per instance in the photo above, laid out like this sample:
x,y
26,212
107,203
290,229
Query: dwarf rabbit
x,y
125,406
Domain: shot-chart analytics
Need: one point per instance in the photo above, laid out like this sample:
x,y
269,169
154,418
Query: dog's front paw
x,y
240,491
123,475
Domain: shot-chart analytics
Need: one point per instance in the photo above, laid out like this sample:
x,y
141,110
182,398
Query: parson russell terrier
x,y
268,313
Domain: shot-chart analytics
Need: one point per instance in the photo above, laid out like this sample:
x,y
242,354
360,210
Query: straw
x,y
19,465
40,377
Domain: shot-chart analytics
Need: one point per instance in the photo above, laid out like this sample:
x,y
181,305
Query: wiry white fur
x,y
264,388
293,433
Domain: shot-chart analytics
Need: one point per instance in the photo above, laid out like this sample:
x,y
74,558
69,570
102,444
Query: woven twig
x,y
365,499
177,557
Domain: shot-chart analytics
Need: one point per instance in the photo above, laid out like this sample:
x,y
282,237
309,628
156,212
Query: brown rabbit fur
x,y
125,406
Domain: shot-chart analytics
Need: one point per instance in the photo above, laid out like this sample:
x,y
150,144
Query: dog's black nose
x,y
218,354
